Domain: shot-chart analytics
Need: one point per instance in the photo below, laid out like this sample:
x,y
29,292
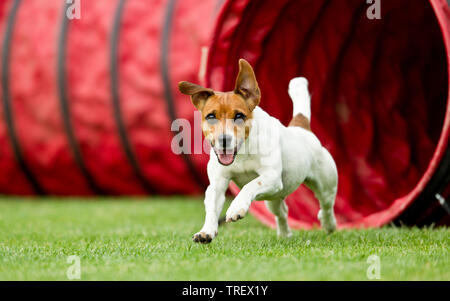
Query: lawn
x,y
132,239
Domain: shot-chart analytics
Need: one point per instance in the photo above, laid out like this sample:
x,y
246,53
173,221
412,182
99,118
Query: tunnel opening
x,y
379,93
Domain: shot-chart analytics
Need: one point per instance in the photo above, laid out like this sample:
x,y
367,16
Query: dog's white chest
x,y
244,169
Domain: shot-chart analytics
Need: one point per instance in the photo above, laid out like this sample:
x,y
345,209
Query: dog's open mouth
x,y
226,156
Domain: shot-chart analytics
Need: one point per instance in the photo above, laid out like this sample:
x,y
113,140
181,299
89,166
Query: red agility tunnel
x,y
87,104
380,98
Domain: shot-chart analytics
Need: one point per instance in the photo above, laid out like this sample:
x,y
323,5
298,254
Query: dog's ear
x,y
198,94
246,84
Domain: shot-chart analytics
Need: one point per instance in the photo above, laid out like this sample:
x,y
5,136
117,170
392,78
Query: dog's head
x,y
226,116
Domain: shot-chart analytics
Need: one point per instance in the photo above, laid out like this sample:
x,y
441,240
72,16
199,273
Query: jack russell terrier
x,y
267,160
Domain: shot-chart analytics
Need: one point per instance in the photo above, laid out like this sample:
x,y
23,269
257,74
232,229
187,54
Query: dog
x,y
265,159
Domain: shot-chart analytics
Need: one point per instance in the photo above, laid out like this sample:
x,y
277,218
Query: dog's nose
x,y
225,141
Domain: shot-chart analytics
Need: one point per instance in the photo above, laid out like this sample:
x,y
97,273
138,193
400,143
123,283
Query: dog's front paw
x,y
203,237
235,214
284,234
328,222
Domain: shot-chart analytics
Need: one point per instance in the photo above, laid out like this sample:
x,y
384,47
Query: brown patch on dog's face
x,y
226,116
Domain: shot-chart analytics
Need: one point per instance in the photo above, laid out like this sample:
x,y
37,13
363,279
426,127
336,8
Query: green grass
x,y
126,239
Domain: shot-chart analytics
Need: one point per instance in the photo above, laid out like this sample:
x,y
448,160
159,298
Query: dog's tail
x,y
299,93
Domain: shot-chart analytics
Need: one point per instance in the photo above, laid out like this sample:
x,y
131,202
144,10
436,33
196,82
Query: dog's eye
x,y
211,118
239,118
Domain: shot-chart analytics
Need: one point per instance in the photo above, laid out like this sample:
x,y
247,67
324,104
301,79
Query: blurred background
x,y
89,93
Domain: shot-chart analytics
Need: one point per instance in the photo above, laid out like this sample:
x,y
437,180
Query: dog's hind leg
x,y
280,210
324,186
324,180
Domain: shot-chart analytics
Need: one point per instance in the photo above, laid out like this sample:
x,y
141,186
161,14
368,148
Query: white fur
x,y
299,93
272,164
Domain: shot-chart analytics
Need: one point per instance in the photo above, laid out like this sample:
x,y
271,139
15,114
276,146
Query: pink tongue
x,y
226,159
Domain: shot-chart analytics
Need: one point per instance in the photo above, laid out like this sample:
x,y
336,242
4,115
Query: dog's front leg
x,y
269,182
214,200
